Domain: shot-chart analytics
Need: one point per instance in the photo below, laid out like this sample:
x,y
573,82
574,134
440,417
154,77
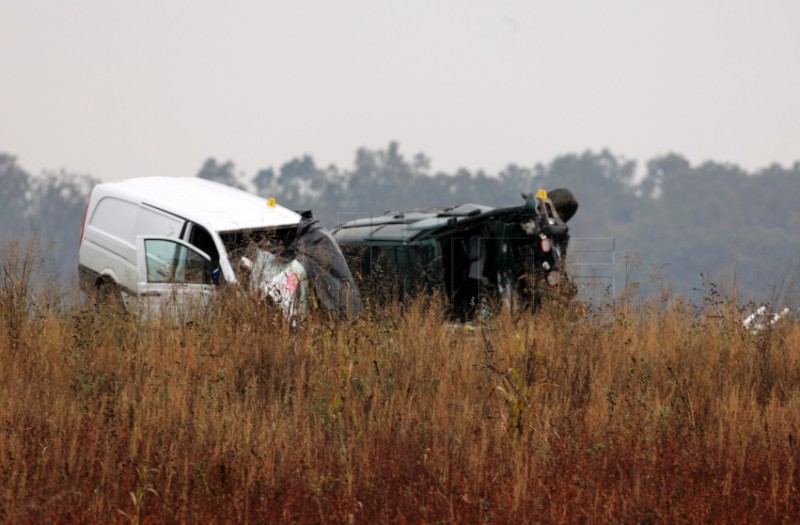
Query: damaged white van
x,y
158,241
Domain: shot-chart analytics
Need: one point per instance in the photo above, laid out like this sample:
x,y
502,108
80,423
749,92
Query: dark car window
x,y
394,270
202,239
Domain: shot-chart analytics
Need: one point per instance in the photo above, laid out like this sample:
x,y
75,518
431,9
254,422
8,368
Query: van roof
x,y
219,207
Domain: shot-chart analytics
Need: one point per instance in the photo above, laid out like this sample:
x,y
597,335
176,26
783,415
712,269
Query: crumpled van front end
x,y
159,241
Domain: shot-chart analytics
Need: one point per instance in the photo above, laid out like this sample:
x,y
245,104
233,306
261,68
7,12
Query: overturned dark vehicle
x,y
480,257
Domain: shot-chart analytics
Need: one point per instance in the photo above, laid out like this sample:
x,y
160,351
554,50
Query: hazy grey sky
x,y
121,89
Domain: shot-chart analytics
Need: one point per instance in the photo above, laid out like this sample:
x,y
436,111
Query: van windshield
x,y
265,260
240,243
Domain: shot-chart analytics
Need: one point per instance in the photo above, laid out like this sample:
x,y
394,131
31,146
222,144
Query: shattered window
x,y
243,245
276,238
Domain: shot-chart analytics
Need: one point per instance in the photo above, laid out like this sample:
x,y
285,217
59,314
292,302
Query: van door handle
x,y
150,294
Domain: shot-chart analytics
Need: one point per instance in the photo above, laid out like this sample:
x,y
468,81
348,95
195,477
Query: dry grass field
x,y
662,416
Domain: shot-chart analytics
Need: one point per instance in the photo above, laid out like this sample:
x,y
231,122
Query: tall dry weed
x,y
662,415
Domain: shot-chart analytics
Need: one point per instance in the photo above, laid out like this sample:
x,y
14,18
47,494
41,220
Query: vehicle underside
x,y
479,257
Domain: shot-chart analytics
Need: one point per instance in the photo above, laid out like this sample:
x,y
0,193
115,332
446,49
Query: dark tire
x,y
108,298
565,203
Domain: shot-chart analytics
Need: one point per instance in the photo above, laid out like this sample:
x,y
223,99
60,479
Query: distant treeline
x,y
675,221
48,206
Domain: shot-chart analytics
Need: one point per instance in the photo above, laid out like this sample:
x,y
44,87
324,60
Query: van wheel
x,y
108,298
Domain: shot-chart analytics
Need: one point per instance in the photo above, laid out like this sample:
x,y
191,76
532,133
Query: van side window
x,y
170,262
151,221
116,217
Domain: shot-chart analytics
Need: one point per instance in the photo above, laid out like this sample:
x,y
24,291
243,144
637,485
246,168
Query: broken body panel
x,y
477,255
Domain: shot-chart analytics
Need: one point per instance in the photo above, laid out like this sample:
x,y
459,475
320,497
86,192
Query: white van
x,y
153,240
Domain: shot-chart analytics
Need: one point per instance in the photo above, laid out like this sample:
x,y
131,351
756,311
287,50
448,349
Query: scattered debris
x,y
762,318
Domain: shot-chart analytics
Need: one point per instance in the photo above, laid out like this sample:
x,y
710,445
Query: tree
x,y
57,206
14,195
223,173
264,182
660,169
301,183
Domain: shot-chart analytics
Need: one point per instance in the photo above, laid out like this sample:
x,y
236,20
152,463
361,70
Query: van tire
x,y
108,297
